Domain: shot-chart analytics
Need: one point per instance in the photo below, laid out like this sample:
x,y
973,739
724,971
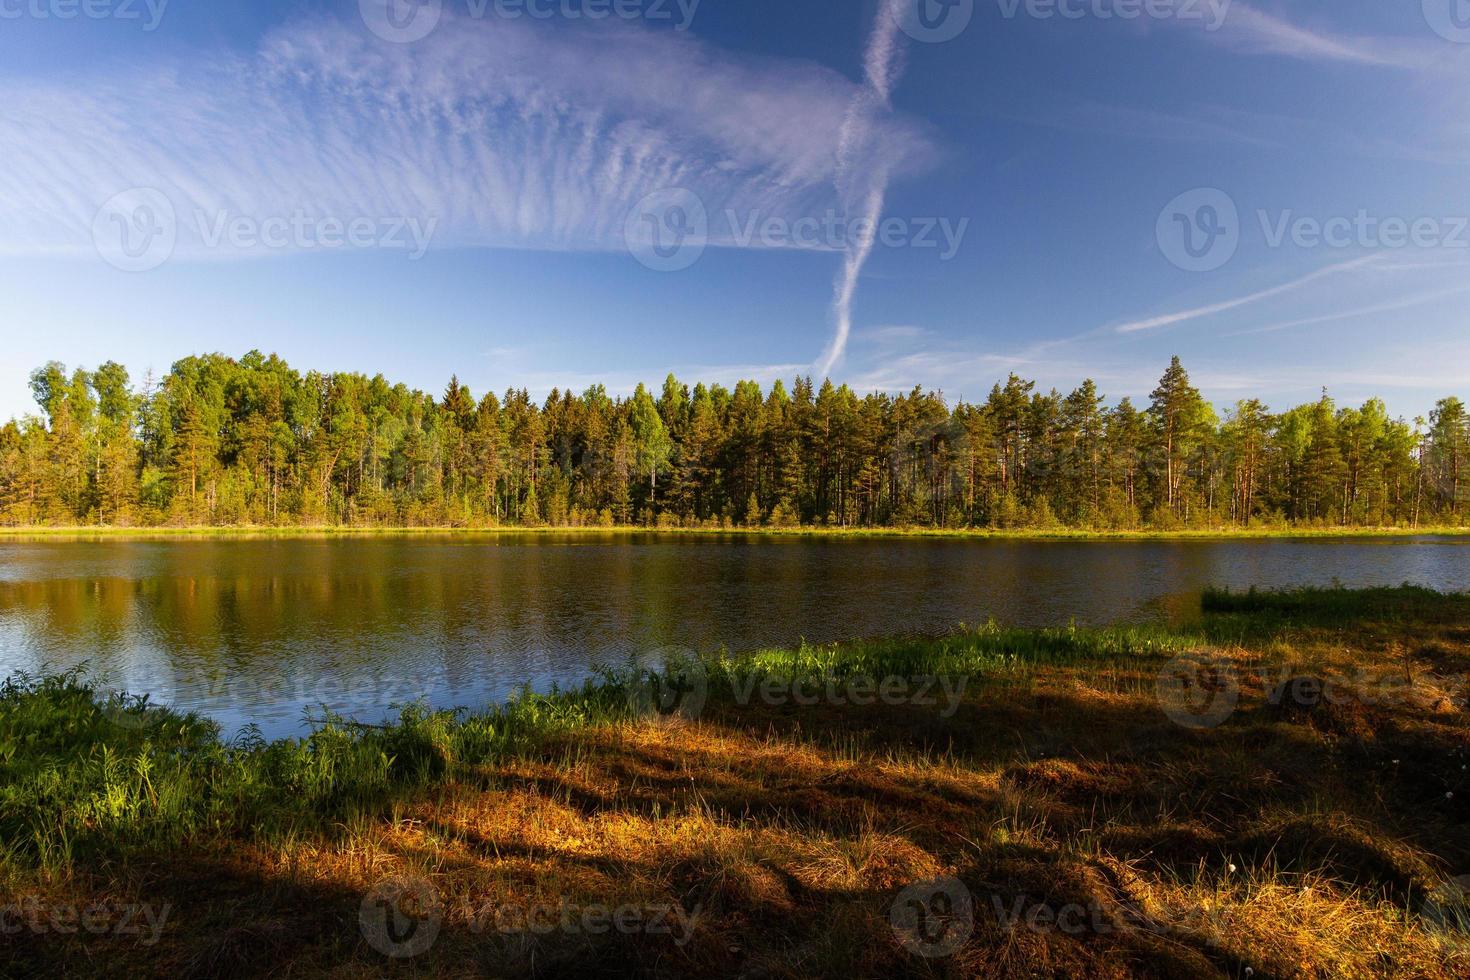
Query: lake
x,y
261,630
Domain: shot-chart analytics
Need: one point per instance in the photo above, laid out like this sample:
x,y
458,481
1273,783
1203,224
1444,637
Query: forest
x,y
221,441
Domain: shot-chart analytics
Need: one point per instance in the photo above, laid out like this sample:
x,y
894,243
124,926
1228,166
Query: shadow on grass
x,y
1089,833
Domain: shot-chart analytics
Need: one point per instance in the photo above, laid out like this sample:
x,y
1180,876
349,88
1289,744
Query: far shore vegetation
x,y
165,532
1276,787
249,441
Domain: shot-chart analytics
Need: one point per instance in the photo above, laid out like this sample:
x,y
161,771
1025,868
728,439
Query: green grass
x,y
84,774
1301,843
1317,605
987,649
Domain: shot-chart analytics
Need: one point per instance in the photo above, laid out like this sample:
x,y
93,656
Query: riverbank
x,y
1281,786
983,534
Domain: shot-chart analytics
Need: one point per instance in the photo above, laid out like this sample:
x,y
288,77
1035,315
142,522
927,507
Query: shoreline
x,y
1023,534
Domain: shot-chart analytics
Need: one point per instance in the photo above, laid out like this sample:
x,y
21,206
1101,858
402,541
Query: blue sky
x,y
1314,153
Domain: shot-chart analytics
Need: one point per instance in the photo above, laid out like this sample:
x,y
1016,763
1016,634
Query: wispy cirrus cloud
x,y
1255,30
1252,30
1183,316
1376,309
506,133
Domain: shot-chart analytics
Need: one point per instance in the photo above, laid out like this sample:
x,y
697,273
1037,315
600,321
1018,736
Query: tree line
x,y
225,441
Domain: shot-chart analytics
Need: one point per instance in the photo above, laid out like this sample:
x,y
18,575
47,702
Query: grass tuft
x,y
1327,840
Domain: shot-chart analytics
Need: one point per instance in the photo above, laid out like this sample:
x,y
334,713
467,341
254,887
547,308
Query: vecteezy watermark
x,y
682,688
679,690
1022,912
401,917
1291,689
934,21
148,13
312,691
668,231
1198,690
1364,230
133,712
401,21
1069,918
937,21
1211,13
858,690
1446,913
136,230
1202,690
934,918
836,232
1201,230
573,919
141,921
1450,19
299,230
139,230
407,21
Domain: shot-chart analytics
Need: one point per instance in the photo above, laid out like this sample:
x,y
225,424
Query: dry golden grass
x,y
1294,840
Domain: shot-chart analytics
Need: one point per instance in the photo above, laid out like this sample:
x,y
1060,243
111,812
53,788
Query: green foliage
x,y
1338,603
87,776
84,773
252,442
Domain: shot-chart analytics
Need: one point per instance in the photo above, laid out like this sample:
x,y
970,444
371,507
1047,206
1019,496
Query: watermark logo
x,y
858,690
678,690
1199,231
136,231
407,21
1211,12
132,712
401,21
680,11
1363,230
1071,919
148,13
141,922
299,230
934,21
1446,913
139,230
1198,690
668,230
1450,19
401,916
933,919
838,233
573,919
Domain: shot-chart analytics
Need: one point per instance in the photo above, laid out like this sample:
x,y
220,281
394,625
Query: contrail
x,y
1169,319
862,183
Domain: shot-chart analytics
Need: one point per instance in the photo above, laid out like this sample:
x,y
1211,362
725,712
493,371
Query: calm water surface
x,y
264,631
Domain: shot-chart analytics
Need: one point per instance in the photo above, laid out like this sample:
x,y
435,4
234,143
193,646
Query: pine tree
x,y
1176,410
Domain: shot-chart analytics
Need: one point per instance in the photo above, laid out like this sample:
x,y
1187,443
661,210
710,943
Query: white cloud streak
x,y
862,172
1171,319
1259,31
507,133
1393,306
1253,31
